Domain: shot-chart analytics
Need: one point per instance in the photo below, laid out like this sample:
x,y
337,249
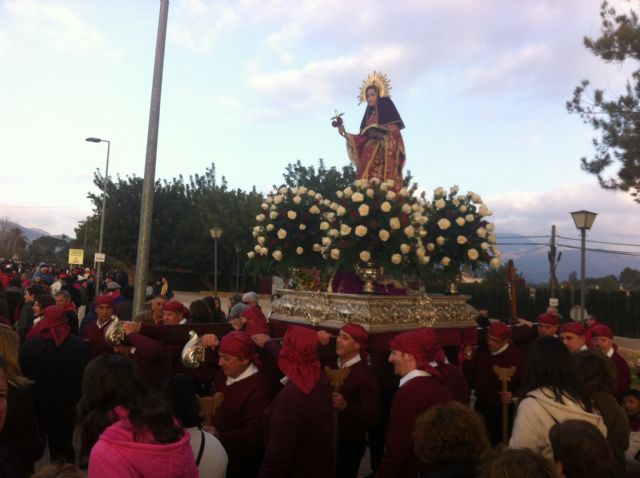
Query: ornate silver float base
x,y
377,313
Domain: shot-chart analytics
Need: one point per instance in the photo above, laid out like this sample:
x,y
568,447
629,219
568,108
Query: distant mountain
x,y
30,233
531,260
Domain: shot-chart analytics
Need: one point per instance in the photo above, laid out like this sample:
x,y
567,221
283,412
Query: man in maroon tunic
x,y
95,331
478,368
602,339
173,312
299,421
572,334
420,389
238,421
357,402
252,318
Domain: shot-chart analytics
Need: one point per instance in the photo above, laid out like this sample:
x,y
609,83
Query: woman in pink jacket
x,y
125,430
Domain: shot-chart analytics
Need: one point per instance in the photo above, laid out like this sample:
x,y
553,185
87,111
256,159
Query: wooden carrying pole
x,y
209,405
336,378
505,374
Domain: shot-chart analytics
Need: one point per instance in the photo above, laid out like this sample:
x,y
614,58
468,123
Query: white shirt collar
x,y
610,352
251,370
183,321
413,374
349,362
584,347
501,349
104,324
284,380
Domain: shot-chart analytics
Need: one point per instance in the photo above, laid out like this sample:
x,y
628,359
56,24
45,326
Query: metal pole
x,y
146,206
104,211
583,254
215,265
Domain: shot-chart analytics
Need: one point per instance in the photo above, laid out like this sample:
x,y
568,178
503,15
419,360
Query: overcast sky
x,y
251,85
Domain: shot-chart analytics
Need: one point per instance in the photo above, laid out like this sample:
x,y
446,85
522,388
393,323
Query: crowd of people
x,y
549,399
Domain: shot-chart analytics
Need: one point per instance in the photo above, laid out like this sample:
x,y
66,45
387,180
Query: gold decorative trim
x,y
377,79
377,313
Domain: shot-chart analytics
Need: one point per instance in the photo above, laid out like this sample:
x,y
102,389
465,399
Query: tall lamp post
x,y
583,221
216,233
104,203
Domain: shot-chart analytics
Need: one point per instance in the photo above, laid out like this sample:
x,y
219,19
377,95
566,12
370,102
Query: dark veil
x,y
387,113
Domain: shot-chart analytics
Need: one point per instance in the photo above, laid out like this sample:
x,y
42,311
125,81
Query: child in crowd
x,y
631,405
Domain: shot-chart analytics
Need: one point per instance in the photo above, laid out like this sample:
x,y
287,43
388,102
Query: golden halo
x,y
378,79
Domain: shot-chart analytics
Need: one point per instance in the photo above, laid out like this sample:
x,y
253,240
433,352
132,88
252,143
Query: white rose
x,y
383,235
455,202
438,192
440,240
311,193
484,246
374,180
256,229
317,247
302,227
277,255
390,182
345,230
269,200
257,248
264,251
476,198
297,199
277,199
357,197
445,261
348,192
385,206
431,246
405,248
406,208
302,190
396,258
469,217
460,221
341,211
425,259
361,231
324,226
333,233
335,254
273,214
326,241
255,234
461,240
454,189
463,208
294,190
391,195
251,255
260,217
472,254
384,187
363,210
394,223
334,206
490,226
403,192
283,190
282,233
365,256
339,194
420,252
495,262
330,216
444,224
314,209
359,183
409,231
440,203
422,220
264,206
261,240
299,251
370,193
269,227
481,232
491,237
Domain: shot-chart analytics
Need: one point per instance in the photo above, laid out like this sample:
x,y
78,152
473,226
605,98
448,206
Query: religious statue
x,y
378,150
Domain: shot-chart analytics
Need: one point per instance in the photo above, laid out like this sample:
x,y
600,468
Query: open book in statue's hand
x,y
375,131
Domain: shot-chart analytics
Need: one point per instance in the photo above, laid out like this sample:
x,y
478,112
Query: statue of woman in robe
x,y
378,150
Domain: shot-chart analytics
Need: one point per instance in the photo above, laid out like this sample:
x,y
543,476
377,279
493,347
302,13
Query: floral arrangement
x,y
286,230
459,233
370,224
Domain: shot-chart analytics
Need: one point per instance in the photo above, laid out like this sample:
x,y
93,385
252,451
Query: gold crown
x,y
380,81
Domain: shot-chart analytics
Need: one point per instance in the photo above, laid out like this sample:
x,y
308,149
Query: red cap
x,y
500,331
601,330
105,300
256,321
298,358
237,344
174,306
550,319
424,345
573,328
54,325
358,333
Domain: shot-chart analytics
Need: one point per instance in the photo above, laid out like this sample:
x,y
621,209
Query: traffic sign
x,y
99,257
76,257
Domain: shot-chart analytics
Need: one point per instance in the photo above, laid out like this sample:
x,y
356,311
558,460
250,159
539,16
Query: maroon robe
x,y
96,338
413,398
239,422
623,374
361,391
298,430
454,379
152,359
481,377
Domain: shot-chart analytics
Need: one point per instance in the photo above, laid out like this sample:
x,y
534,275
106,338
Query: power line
x,y
607,251
600,242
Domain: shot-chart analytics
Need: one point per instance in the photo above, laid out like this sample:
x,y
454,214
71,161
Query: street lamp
x,y
216,232
104,201
583,221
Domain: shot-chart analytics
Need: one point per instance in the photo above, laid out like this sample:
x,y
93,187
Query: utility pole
x,y
146,206
554,258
